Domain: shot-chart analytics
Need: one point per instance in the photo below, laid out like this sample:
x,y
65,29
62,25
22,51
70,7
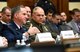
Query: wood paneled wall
x,y
63,6
60,5
12,3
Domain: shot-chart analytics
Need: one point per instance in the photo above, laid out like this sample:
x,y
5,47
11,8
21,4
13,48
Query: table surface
x,y
54,48
73,49
41,47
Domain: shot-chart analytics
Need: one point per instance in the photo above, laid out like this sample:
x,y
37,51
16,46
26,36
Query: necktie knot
x,y
21,29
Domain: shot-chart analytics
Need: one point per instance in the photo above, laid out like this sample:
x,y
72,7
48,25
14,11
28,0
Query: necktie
x,y
21,29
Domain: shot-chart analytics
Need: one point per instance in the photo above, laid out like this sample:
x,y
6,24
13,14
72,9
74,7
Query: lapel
x,y
55,28
21,30
74,25
1,26
15,30
14,26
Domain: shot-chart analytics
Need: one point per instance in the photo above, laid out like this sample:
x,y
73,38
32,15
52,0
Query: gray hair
x,y
15,10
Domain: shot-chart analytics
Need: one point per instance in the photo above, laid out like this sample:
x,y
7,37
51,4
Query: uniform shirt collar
x,y
17,25
3,22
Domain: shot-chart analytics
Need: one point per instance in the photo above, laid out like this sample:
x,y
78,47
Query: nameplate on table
x,y
67,34
44,37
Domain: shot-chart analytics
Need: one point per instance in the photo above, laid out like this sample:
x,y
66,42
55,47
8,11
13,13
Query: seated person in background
x,y
6,15
28,11
38,20
63,18
49,17
55,25
14,30
3,40
63,23
49,22
75,22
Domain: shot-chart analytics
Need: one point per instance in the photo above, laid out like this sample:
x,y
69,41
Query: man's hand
x,y
33,30
3,42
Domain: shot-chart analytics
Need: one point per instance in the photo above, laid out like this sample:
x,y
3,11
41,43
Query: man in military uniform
x,y
38,20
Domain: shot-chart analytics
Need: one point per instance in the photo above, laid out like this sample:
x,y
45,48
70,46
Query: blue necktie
x,y
21,30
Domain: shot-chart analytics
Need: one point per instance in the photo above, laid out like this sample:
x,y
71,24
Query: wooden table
x,y
74,49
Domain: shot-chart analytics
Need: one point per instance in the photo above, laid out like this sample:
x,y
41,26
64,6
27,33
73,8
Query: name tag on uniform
x,y
67,34
44,37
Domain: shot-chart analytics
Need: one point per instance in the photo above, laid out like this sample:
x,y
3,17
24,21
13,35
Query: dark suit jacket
x,y
12,32
64,27
1,26
53,27
56,28
74,26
